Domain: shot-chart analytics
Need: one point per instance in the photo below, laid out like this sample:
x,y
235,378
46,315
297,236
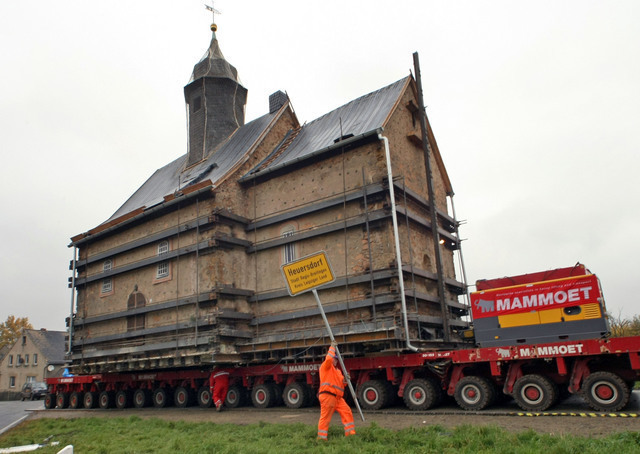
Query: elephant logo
x,y
484,306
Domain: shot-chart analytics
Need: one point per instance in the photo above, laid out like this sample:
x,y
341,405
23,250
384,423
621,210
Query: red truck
x,y
536,337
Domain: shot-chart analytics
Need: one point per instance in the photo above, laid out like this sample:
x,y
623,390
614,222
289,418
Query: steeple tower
x,y
215,102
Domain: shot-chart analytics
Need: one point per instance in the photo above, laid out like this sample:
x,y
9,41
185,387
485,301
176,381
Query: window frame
x,y
106,285
288,249
163,268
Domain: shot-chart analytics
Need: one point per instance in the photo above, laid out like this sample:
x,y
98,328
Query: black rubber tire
x,y
236,397
141,398
278,392
106,399
62,400
296,395
535,392
474,393
373,394
182,397
90,400
75,400
49,401
605,391
123,399
205,400
263,396
420,394
160,397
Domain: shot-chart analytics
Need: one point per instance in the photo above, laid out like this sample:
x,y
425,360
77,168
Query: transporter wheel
x,y
90,399
141,398
160,397
374,394
75,400
535,392
49,401
182,397
264,396
236,397
296,395
420,394
278,393
474,393
62,400
106,399
123,399
204,397
605,391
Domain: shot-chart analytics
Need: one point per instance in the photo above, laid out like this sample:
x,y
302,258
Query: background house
x,y
36,355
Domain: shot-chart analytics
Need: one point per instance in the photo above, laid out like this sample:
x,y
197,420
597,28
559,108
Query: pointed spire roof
x,y
213,64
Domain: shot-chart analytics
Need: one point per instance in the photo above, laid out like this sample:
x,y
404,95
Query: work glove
x,y
334,343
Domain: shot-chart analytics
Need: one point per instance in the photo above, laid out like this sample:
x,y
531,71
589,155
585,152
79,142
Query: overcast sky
x,y
535,107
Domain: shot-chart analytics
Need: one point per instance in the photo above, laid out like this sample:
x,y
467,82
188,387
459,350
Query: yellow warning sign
x,y
307,273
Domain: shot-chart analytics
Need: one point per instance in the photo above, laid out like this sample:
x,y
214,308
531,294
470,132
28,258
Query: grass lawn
x,y
136,435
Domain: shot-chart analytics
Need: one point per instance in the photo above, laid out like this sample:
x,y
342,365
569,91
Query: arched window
x,y
136,300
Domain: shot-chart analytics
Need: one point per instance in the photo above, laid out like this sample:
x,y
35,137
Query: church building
x,y
187,272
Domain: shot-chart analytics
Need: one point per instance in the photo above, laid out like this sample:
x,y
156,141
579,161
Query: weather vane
x,y
214,11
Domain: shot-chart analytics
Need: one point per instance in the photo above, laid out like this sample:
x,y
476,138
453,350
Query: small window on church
x,y
163,270
197,104
107,283
107,286
289,249
163,247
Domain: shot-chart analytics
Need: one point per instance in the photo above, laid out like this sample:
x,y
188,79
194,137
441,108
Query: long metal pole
x,y
73,298
444,308
344,369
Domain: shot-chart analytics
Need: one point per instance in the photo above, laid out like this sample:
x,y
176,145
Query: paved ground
x,y
13,411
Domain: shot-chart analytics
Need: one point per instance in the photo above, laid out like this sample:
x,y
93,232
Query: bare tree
x,y
622,327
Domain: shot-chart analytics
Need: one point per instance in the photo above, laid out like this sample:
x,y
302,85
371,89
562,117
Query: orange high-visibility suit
x,y
330,394
219,386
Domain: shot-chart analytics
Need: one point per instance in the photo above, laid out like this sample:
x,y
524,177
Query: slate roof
x,y
4,350
171,178
50,343
364,115
213,64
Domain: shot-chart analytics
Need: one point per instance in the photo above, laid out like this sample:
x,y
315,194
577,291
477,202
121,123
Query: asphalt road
x,y
14,411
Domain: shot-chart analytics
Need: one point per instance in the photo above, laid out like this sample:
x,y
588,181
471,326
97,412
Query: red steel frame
x,y
503,364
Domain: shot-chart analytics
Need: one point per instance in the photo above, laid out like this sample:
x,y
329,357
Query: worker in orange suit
x,y
219,386
330,394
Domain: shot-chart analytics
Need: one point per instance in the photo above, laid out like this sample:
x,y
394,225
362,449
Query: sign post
x,y
306,274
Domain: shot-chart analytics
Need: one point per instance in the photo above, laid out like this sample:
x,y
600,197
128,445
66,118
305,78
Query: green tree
x,y
11,329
